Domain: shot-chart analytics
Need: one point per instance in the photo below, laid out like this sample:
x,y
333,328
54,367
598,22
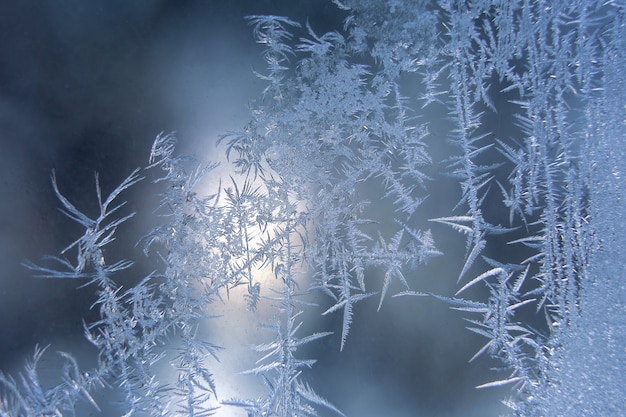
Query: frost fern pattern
x,y
342,114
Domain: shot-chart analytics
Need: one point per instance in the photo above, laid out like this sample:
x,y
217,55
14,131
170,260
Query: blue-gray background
x,y
85,86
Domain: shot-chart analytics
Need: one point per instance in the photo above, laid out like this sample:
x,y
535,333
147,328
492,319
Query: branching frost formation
x,y
342,114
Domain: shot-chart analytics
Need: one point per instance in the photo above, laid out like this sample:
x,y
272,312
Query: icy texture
x,y
340,115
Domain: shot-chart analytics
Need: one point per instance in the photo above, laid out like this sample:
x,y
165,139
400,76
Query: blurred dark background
x,y
85,86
